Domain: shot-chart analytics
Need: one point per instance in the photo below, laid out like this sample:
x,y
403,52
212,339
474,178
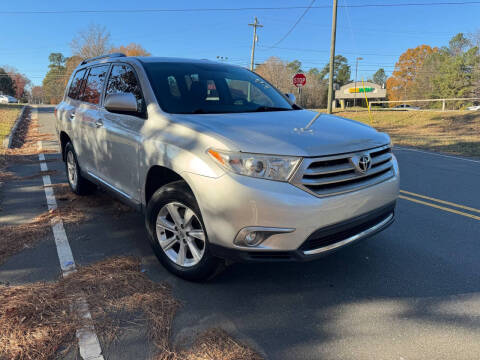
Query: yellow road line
x,y
440,207
441,201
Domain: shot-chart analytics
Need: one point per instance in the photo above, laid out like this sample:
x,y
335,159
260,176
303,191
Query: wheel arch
x,y
64,140
158,176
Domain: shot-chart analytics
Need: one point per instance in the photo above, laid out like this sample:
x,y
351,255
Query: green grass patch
x,y
8,115
454,132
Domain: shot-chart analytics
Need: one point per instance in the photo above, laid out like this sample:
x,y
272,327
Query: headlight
x,y
270,167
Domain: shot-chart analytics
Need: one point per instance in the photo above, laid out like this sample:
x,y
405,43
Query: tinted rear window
x,y
76,84
94,84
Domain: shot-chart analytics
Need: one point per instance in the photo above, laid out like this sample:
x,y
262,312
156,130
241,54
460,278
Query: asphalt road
x,y
410,292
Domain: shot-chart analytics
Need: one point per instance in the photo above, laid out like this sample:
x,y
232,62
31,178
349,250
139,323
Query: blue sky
x,y
378,34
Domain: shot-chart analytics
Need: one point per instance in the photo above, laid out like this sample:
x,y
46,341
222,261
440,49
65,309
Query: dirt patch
x,y
37,321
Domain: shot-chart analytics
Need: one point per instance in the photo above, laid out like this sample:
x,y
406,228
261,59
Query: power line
x,y
324,51
294,25
130,11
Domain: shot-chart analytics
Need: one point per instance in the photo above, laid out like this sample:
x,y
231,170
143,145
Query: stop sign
x,y
299,80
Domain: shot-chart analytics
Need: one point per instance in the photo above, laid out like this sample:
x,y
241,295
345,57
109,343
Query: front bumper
x,y
322,241
231,203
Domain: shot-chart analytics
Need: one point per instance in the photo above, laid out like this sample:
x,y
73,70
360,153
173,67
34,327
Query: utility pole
x,y
356,72
332,56
255,25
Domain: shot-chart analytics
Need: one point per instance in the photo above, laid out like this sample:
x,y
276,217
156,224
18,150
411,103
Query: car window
x,y
76,84
239,90
199,88
123,80
94,84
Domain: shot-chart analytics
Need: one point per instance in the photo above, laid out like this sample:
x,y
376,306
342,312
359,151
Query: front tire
x,y
177,233
78,184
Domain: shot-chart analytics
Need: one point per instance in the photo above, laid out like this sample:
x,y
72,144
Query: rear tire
x,y
177,233
78,184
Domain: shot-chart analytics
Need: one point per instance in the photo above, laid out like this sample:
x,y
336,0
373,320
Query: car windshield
x,y
202,88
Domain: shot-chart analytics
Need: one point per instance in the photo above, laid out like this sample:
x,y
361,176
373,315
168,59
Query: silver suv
x,y
223,165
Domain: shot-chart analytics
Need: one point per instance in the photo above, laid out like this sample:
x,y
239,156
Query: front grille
x,y
332,175
344,230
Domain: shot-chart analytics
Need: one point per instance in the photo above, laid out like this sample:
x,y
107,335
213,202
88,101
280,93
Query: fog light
x,y
251,238
255,235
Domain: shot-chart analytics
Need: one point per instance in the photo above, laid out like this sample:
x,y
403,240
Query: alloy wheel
x,y
180,234
72,169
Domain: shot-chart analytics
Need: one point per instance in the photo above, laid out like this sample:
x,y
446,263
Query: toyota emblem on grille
x,y
364,163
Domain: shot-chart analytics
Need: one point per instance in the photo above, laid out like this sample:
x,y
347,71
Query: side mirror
x,y
291,98
123,103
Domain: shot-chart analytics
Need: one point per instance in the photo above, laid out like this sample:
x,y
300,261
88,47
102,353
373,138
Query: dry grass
x,y
8,115
16,238
37,321
72,209
454,132
217,344
66,198
25,143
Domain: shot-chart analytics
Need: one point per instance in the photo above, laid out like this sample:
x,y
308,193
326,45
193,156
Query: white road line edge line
x,y
435,154
88,343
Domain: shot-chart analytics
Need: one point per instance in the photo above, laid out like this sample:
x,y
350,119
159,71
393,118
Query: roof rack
x,y
113,55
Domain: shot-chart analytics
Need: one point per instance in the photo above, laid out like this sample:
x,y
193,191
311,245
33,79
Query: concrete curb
x,y
7,142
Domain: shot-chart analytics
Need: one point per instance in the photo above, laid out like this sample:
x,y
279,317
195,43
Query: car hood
x,y
283,133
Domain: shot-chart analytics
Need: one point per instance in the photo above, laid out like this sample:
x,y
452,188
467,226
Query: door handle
x,y
98,123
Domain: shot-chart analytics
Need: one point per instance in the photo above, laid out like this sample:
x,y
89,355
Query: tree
x,y
380,77
131,49
455,73
295,66
406,71
341,73
448,72
475,38
20,82
276,72
91,42
36,95
54,82
6,83
70,64
458,44
280,73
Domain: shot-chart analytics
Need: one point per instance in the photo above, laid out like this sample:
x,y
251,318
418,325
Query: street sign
x,y
299,80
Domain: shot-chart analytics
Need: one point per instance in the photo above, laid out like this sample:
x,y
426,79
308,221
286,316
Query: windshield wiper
x,y
270,108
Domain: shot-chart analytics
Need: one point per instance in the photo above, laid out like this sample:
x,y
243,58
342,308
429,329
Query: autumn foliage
x,y
407,69
132,49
